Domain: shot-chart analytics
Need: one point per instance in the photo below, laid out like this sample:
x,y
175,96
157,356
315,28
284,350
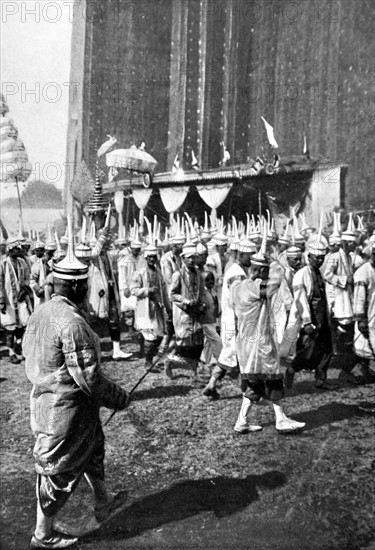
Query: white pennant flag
x,y
176,164
270,134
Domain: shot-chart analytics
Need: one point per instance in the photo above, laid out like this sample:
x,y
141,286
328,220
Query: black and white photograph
x,y
187,274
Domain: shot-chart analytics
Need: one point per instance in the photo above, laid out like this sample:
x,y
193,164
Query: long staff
x,y
136,385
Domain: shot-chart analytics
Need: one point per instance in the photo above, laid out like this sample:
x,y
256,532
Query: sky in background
x,y
35,67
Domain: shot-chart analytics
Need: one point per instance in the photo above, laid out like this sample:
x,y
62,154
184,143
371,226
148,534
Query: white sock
x,y
244,411
116,347
279,413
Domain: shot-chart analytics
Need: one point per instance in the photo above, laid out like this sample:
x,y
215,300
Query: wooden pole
x,y
19,203
260,202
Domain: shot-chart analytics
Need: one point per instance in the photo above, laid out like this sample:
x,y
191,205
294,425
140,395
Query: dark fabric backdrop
x,y
187,74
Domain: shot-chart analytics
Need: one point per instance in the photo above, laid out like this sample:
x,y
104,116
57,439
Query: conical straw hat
x,y
70,268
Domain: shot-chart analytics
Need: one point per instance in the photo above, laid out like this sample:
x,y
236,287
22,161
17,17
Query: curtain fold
x,y
173,198
177,92
215,195
141,198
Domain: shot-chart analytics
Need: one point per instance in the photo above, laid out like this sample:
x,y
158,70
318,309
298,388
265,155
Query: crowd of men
x,y
238,298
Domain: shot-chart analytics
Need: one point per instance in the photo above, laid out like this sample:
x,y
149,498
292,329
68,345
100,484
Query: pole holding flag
x,y
270,135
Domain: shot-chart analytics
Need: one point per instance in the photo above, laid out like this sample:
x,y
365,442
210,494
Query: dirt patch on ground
x,y
193,482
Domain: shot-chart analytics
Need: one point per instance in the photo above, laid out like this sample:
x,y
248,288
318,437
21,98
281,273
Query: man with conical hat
x,y
364,314
338,273
227,361
171,261
39,273
282,299
257,346
234,242
201,257
37,244
64,369
217,261
15,303
24,254
103,296
307,340
127,264
296,240
152,303
186,294
294,263
356,255
58,255
212,342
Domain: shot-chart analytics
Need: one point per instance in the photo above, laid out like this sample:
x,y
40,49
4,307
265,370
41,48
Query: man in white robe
x,y
186,294
307,339
257,346
149,289
227,361
15,303
39,273
364,314
338,274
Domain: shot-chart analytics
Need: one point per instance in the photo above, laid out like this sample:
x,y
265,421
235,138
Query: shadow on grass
x,y
334,412
109,359
161,391
223,496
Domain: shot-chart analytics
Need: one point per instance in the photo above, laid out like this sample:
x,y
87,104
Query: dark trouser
x,y
190,355
314,353
342,341
257,388
220,370
151,348
344,336
169,323
53,491
12,336
113,316
190,352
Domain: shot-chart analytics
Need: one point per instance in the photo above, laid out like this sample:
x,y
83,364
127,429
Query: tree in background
x,y
37,194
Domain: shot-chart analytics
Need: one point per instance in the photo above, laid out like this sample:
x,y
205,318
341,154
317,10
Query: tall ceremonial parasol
x,y
14,162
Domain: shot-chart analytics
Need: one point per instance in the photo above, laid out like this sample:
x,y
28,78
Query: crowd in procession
x,y
236,297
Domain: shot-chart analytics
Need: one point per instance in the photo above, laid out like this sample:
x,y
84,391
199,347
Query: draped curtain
x,y
184,75
173,197
214,195
141,198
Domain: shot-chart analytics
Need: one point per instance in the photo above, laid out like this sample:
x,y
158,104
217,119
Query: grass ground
x,y
193,482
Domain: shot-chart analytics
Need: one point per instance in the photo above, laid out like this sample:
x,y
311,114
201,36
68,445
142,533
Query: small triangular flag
x,y
225,155
270,134
306,151
194,161
176,164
